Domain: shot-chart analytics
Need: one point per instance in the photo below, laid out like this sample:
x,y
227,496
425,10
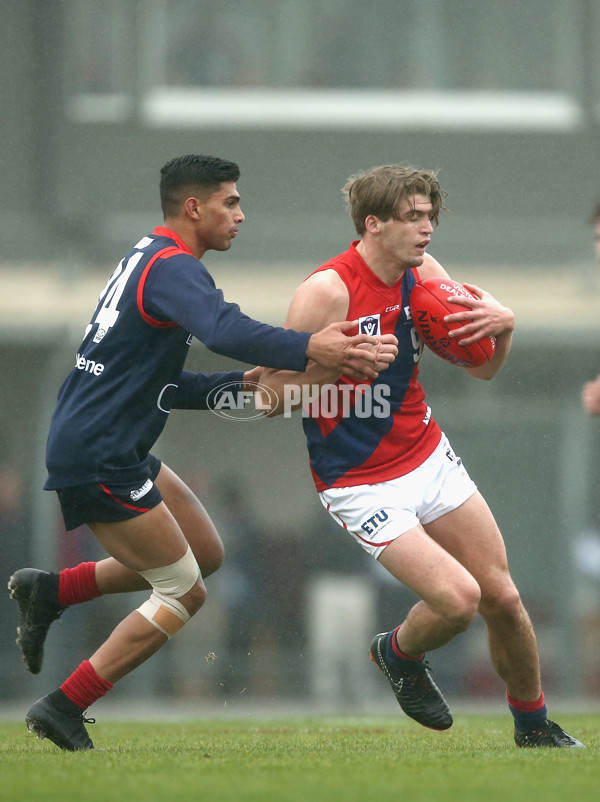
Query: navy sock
x,y
394,656
527,715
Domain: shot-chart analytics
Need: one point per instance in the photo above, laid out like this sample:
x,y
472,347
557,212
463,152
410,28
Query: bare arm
x,y
590,396
318,302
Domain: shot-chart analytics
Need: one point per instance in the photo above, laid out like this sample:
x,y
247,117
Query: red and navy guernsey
x,y
349,448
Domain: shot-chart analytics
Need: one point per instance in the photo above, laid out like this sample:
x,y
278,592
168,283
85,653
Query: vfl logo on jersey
x,y
371,324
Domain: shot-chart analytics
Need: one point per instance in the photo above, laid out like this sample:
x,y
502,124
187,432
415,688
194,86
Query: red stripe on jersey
x,y
347,396
123,503
164,254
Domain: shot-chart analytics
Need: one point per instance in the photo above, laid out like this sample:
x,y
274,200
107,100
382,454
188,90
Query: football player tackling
x,y
112,407
392,479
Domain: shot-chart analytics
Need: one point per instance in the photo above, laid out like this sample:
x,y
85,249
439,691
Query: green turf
x,y
305,760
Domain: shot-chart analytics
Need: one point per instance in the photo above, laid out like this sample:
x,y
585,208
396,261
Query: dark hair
x,y
196,173
381,190
595,218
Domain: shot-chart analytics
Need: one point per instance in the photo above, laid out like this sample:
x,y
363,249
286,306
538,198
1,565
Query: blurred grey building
x,y
503,98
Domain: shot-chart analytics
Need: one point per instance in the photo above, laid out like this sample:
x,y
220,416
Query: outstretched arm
x,y
180,289
320,300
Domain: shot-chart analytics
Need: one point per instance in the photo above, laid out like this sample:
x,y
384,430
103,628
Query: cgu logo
x,y
371,524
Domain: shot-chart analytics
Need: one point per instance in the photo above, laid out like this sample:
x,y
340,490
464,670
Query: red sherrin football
x,y
428,307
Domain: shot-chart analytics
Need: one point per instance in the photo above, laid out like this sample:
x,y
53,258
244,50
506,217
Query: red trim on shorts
x,y
123,503
337,516
370,542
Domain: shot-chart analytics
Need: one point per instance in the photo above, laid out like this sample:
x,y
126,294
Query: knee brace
x,y
163,609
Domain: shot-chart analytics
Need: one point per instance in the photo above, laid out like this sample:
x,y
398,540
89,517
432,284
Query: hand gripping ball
x,y
428,307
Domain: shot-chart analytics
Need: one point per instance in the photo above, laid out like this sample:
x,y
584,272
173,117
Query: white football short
x,y
375,515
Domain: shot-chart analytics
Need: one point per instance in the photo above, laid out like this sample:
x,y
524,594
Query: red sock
x,y
527,715
526,707
76,585
84,686
400,654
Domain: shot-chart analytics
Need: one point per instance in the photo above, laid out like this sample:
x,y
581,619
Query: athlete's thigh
x,y
194,521
471,535
150,540
424,566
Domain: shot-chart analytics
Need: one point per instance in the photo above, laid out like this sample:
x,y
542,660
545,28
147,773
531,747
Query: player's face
x,y
405,240
220,218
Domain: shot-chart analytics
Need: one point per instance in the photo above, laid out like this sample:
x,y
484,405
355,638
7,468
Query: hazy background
x,y
503,98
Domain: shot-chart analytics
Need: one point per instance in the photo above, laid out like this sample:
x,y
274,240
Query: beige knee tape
x,y
163,609
168,616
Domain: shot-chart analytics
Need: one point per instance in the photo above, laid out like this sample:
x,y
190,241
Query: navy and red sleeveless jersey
x,y
128,371
354,447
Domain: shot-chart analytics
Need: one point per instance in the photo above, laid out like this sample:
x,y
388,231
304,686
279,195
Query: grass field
x,y
304,760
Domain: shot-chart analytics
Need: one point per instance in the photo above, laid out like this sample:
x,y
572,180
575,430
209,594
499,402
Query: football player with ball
x,y
394,483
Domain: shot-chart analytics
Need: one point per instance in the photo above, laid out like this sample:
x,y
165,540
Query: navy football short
x,y
111,501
